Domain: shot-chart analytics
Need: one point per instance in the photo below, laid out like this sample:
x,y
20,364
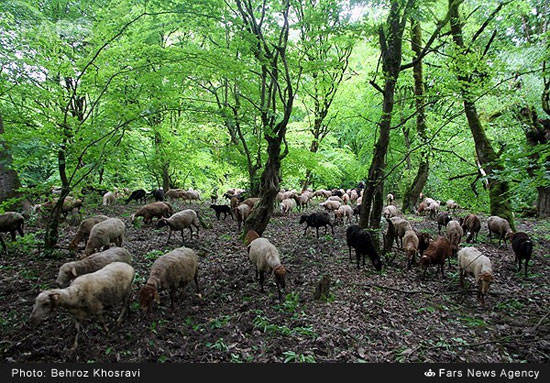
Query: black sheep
x,y
137,195
317,220
523,248
361,241
222,209
158,194
443,219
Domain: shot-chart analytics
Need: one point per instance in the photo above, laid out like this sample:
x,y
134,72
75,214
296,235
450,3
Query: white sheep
x,y
70,270
472,262
454,234
109,198
103,234
88,294
84,230
179,221
287,205
170,272
390,211
344,211
410,244
265,257
241,212
330,205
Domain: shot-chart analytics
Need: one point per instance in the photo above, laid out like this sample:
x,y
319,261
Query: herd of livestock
x,y
103,276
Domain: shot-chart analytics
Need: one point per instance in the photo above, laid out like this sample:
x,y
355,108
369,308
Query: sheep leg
x,y
169,236
305,230
124,309
255,269
75,342
526,262
20,231
196,279
332,228
3,244
191,231
262,281
198,229
349,248
173,292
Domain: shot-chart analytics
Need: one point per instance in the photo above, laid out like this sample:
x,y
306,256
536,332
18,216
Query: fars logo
x,y
429,373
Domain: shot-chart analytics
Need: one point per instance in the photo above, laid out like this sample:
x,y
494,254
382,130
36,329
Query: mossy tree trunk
x,y
499,191
9,181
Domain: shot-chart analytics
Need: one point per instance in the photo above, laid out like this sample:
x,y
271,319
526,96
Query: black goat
x,y
361,241
443,219
222,209
317,220
158,194
523,248
137,195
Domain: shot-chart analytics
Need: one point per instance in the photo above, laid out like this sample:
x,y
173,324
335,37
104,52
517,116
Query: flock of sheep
x,y
103,277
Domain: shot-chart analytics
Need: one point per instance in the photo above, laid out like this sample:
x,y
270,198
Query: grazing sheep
x,y
423,242
499,226
190,195
472,262
471,225
302,201
433,209
137,195
435,254
400,226
353,195
103,234
251,202
428,201
11,222
69,203
389,199
443,218
70,270
454,234
390,211
322,193
88,294
171,271
343,211
84,229
172,194
361,241
317,220
109,198
287,205
335,198
421,208
219,209
330,205
158,194
523,248
265,257
153,210
180,221
451,205
241,212
410,244
250,236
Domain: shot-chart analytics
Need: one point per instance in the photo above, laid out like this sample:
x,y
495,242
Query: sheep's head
x,y
280,272
484,280
425,260
162,222
377,263
147,295
509,234
45,304
66,273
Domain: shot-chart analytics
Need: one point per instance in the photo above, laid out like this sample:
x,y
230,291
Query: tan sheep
x,y
287,205
104,233
401,226
390,211
179,221
109,198
344,211
70,270
265,257
171,271
410,244
84,229
153,210
88,295
241,212
330,205
472,262
454,234
500,227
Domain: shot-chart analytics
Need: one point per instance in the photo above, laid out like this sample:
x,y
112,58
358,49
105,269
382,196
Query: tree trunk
x,y
9,181
543,202
166,177
499,192
269,187
314,147
391,51
413,191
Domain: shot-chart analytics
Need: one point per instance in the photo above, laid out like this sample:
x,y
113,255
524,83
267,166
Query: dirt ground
x,y
388,316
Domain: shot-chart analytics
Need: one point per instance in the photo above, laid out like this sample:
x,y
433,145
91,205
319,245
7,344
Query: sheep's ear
x,y
73,272
156,297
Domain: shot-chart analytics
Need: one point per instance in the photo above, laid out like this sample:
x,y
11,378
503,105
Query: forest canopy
x,y
143,94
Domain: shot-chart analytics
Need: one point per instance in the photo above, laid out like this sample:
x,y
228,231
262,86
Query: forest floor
x,y
388,316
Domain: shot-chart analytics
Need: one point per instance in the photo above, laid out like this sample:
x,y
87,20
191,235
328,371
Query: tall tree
x,y
487,157
9,181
